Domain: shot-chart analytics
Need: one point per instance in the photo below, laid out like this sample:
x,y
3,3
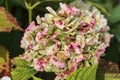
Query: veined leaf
x,y
7,21
3,54
4,62
22,71
86,73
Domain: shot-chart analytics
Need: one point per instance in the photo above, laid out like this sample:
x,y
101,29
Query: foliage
x,y
86,73
107,71
4,62
21,71
11,40
7,21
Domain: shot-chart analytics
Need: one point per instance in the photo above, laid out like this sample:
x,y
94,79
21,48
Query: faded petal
x,y
59,24
57,62
79,58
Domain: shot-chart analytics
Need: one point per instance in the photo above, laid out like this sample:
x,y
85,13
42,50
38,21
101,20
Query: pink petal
x,y
59,24
25,57
45,42
76,48
68,10
64,74
39,64
67,53
79,58
108,37
31,46
41,34
105,29
92,23
56,62
30,27
38,36
54,35
74,9
44,32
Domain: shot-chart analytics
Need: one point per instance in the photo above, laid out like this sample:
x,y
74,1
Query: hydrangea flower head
x,y
62,41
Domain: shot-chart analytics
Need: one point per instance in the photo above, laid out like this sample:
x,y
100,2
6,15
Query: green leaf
x,y
86,73
3,55
107,76
112,76
101,8
22,71
7,21
115,16
36,78
4,62
108,71
116,31
3,52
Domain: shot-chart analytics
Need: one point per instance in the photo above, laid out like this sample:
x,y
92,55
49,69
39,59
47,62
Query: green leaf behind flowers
x,y
115,15
86,73
7,21
22,71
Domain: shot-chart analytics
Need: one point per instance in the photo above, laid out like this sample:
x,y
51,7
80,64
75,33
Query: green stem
x,y
35,5
30,15
30,8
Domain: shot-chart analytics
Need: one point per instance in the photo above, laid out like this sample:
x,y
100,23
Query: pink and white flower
x,y
31,26
57,62
76,48
62,40
68,10
79,58
39,64
41,34
59,23
66,50
54,35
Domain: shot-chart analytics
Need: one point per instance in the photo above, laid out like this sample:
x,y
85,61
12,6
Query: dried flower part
x,y
63,41
61,55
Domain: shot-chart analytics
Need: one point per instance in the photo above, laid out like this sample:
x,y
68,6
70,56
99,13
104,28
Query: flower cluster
x,y
64,41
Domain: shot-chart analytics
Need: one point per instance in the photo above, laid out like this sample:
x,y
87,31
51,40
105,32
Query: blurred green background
x,y
17,8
